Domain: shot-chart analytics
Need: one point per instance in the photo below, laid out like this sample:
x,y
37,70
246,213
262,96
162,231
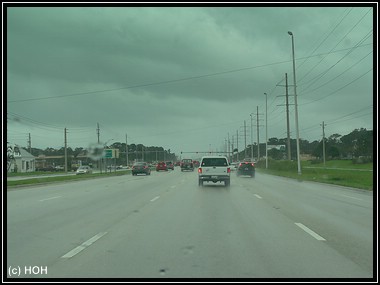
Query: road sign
x,y
115,153
108,153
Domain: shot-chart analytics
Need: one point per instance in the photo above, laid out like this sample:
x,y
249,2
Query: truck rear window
x,y
214,162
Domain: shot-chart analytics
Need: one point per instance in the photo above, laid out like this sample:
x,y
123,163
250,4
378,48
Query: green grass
x,y
318,173
351,175
19,174
339,164
43,180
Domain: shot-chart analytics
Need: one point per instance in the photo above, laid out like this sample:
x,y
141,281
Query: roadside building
x,y
23,162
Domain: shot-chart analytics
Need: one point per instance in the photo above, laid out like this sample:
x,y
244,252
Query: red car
x,y
161,166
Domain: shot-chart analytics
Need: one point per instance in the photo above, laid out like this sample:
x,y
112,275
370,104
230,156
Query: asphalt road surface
x,y
164,226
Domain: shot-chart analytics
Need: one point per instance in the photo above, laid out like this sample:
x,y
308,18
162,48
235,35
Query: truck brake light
x,y
228,170
199,170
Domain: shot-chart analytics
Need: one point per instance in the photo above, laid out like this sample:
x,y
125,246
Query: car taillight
x,y
199,170
228,170
240,164
253,164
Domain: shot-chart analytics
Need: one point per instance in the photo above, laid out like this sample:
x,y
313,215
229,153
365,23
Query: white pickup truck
x,y
215,169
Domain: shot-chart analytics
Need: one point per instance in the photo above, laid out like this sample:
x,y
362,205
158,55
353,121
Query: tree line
x,y
358,143
136,152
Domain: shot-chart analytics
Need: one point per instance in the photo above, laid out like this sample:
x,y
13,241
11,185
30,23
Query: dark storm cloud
x,y
159,68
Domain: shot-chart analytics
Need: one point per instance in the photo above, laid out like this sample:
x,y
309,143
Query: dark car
x,y
246,168
161,166
170,165
187,164
140,167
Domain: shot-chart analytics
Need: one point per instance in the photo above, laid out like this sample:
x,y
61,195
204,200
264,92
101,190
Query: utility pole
x,y
296,107
229,147
232,148
65,150
126,147
258,137
251,137
98,132
226,147
245,140
323,143
100,160
237,145
287,116
30,144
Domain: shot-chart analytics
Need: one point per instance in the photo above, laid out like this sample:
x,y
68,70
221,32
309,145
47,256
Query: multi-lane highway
x,y
164,225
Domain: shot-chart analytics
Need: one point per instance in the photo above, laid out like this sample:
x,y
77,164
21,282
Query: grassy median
x,y
43,179
338,172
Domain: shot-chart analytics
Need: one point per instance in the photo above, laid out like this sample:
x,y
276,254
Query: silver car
x,y
84,169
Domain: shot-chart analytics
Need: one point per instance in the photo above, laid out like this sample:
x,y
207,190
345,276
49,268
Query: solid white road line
x,y
258,196
50,198
349,197
83,245
155,198
310,232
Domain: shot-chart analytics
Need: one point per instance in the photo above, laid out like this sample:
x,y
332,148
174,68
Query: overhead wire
x,y
167,81
318,77
339,75
332,50
326,37
339,89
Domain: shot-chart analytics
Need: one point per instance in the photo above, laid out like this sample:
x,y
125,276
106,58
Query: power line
x,y
333,79
168,81
21,119
334,28
337,45
318,77
334,121
339,88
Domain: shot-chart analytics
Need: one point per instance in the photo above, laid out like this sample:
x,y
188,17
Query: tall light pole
x,y
266,130
296,108
251,138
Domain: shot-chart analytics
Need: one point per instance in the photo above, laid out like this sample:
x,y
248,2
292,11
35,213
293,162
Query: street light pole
x,y
251,138
266,130
296,108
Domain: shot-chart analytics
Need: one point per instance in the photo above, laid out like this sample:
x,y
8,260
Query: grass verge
x,y
343,173
43,179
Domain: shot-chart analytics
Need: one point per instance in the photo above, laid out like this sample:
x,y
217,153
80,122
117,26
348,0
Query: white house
x,y
23,162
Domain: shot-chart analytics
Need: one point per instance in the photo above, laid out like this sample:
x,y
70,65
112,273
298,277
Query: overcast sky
x,y
185,78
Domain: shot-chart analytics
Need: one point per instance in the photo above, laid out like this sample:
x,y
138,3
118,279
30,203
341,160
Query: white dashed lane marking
x,y
50,198
83,246
155,198
310,232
